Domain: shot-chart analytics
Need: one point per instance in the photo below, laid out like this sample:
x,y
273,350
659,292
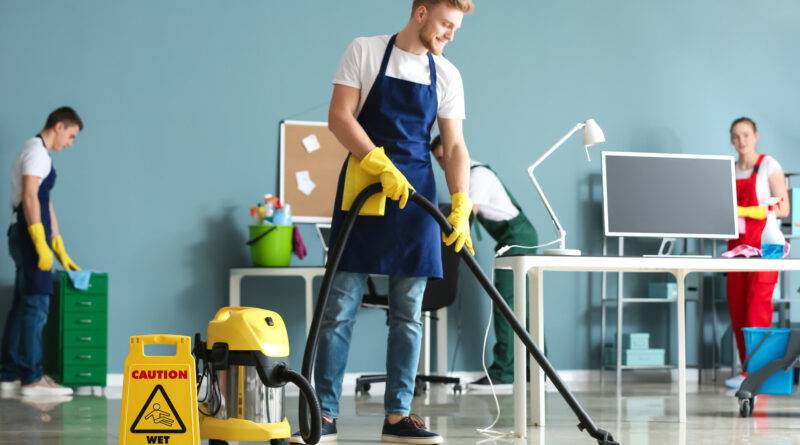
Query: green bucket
x,y
270,245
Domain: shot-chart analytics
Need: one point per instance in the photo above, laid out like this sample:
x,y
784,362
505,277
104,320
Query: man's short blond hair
x,y
464,6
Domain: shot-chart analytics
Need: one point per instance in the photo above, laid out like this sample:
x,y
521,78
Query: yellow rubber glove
x,y
40,244
61,253
752,212
395,185
459,219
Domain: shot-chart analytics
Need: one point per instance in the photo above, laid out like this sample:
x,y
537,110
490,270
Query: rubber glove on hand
x,y
40,244
459,219
395,185
61,253
752,212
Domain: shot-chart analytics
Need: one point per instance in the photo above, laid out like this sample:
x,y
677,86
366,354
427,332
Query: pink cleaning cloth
x,y
744,250
298,246
748,251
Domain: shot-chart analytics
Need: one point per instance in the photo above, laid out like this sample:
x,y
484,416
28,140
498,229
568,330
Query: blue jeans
x,y
402,354
21,348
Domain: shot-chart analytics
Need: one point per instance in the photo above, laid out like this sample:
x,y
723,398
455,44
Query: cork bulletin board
x,y
310,161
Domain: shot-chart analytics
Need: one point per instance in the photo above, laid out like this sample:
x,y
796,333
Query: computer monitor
x,y
669,195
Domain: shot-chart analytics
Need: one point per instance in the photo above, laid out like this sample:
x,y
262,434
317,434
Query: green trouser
x,y
502,368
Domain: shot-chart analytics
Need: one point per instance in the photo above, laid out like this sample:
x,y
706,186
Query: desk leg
x,y
520,357
441,341
680,277
535,290
309,284
235,291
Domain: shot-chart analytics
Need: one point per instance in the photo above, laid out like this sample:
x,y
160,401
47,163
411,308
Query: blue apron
x,y
398,115
36,281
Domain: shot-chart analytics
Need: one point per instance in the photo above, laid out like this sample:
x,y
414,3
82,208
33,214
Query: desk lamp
x,y
592,134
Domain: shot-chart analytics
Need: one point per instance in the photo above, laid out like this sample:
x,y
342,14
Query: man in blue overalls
x,y
31,234
388,92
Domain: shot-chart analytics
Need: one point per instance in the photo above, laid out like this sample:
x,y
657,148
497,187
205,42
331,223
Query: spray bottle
x,y
772,241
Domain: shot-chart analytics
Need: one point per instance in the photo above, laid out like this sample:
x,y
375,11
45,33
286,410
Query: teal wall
x,y
182,101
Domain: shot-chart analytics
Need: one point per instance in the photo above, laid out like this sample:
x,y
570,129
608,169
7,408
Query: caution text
x,y
155,374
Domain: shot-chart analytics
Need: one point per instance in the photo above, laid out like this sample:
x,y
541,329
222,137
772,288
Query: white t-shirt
x,y
486,190
361,64
768,166
33,160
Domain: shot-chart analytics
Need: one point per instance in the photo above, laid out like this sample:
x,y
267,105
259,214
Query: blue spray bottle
x,y
772,241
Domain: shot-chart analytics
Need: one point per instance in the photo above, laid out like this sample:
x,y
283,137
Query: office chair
x,y
438,294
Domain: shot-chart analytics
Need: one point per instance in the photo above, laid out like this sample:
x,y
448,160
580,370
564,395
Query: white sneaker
x,y
10,386
45,386
734,382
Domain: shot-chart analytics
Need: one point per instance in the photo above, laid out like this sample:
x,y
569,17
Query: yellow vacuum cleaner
x,y
242,377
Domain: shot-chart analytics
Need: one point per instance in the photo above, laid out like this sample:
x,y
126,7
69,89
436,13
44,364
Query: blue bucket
x,y
773,348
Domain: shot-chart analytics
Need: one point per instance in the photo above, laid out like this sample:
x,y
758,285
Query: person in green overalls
x,y
500,214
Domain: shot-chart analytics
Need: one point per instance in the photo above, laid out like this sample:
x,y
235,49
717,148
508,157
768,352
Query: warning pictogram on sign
x,y
158,415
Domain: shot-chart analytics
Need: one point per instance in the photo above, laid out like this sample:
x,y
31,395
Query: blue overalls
x,y
398,115
22,336
404,244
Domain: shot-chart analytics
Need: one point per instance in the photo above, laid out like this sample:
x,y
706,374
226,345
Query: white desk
x,y
534,267
307,273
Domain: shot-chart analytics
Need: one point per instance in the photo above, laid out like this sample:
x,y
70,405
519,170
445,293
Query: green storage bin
x,y
85,303
85,356
83,339
76,348
635,357
270,245
83,375
85,321
636,340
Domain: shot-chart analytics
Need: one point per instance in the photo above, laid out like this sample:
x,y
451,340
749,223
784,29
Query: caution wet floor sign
x,y
159,399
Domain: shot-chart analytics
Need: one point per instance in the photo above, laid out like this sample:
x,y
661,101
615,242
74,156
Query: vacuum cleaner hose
x,y
311,436
586,422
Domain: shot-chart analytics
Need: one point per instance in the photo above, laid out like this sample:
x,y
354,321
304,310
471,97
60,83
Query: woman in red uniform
x,y
758,177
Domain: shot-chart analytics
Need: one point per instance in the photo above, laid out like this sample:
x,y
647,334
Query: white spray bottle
x,y
772,241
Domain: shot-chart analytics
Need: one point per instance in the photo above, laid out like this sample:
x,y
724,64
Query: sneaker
x,y
10,385
484,383
735,382
45,386
410,429
327,433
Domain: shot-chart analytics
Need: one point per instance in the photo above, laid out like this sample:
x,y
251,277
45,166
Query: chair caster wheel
x,y
363,389
457,389
746,407
419,389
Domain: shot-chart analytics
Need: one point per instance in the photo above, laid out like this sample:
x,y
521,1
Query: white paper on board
x,y
304,182
311,143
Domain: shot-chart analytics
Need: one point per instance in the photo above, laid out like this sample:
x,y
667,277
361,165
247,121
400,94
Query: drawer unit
x,y
85,303
82,339
79,326
84,356
84,321
78,375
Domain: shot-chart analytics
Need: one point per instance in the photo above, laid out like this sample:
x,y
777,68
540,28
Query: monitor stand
x,y
665,250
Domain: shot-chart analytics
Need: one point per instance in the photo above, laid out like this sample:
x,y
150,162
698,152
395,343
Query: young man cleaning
x,y
500,214
33,231
388,92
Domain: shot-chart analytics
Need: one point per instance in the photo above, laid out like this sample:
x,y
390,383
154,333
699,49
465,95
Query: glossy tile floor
x,y
643,414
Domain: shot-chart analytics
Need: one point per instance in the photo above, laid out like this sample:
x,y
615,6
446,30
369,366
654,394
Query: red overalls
x,y
749,293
